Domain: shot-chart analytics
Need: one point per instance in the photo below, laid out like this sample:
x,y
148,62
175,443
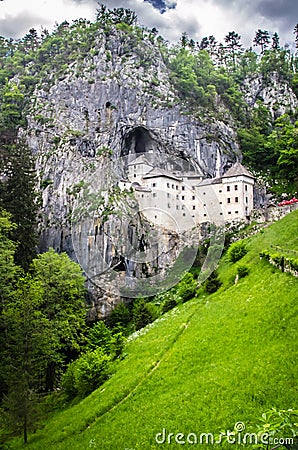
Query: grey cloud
x,y
18,26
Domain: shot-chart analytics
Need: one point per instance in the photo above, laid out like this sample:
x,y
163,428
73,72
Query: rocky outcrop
x,y
273,92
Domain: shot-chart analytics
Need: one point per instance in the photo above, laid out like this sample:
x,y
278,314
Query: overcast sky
x,y
198,18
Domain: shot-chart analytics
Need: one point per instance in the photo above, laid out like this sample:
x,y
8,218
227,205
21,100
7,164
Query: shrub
x,y
242,271
86,374
187,287
213,283
168,304
143,313
236,251
100,336
120,316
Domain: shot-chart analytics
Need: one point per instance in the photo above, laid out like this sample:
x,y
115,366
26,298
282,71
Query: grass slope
x,y
202,367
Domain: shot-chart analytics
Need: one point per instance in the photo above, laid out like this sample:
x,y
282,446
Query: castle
x,y
182,200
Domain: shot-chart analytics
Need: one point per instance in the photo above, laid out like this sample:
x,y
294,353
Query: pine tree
x,y
18,196
262,39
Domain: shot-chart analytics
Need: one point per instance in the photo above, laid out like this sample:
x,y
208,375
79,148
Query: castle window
x,y
193,207
228,200
154,194
229,212
153,184
169,206
183,214
135,175
220,191
205,215
168,195
246,187
193,197
228,188
183,188
236,199
177,187
177,197
193,188
173,187
183,197
220,203
168,185
177,206
183,207
236,212
236,187
246,199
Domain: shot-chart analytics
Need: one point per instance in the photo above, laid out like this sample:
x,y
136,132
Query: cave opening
x,y
137,141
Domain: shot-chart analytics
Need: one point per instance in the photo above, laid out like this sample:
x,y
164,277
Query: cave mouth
x,y
137,141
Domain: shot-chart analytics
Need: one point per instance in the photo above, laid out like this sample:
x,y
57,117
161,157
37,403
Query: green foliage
x,y
242,271
143,313
236,251
63,305
276,423
187,287
168,304
222,359
26,349
213,283
120,316
18,195
8,269
87,373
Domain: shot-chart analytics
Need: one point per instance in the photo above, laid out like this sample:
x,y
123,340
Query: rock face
x,y
118,102
274,93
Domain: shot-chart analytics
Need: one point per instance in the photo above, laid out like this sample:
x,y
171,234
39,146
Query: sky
x,y
198,18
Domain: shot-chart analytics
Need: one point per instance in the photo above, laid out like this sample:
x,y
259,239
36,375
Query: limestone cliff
x,y
117,102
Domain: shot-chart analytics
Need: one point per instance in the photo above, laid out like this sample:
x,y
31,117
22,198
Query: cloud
x,y
198,18
17,17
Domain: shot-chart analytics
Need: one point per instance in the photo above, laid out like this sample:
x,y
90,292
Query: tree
x,y
184,40
283,142
275,42
233,44
143,313
26,347
296,35
262,39
8,269
63,305
18,195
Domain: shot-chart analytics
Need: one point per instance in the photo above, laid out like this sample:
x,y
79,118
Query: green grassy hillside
x,y
203,367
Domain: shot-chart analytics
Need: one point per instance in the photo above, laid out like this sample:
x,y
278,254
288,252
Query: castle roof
x,y
155,173
236,170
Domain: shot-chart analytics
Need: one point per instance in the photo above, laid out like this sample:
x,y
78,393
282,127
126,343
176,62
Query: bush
x,y
213,283
86,374
242,271
168,304
120,316
187,287
236,251
143,313
100,336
